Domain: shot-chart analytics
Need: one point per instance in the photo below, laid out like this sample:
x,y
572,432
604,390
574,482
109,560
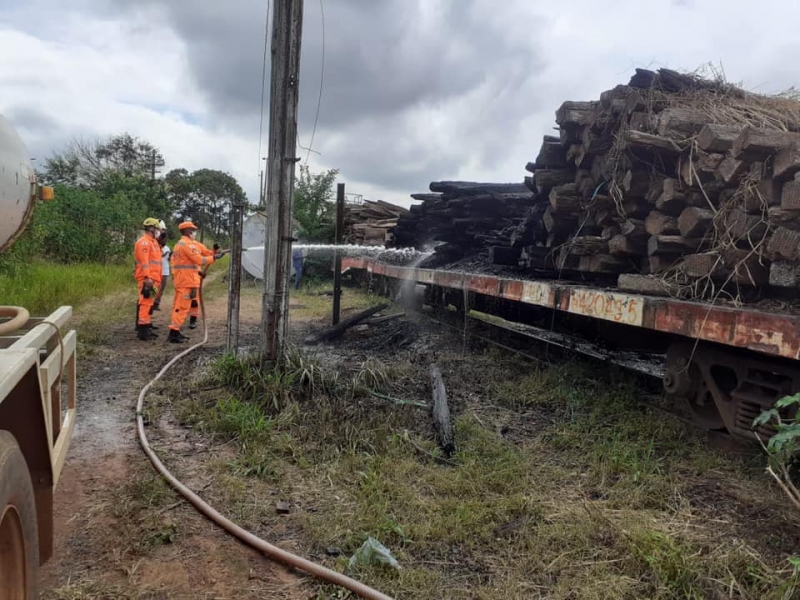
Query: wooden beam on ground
x,y
338,329
441,412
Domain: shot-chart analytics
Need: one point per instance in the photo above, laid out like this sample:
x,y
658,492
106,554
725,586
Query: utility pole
x,y
337,256
235,277
261,190
284,94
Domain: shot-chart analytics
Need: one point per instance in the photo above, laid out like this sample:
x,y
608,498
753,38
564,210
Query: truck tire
x,y
19,541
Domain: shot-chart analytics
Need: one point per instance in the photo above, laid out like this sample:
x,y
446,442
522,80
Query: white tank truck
x,y
37,395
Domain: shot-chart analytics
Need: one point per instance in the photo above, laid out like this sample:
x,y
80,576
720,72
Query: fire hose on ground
x,y
271,551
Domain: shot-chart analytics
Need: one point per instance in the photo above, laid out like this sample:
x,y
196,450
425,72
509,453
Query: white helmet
x,y
162,226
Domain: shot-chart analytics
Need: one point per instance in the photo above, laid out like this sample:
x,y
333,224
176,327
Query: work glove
x,y
147,288
202,274
216,247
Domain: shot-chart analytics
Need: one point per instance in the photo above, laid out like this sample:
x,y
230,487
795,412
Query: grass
x,y
137,506
310,303
87,589
42,287
563,484
593,506
100,295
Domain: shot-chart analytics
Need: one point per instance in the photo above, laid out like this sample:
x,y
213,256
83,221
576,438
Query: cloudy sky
x,y
414,90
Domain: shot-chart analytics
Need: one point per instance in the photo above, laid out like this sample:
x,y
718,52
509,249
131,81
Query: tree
x,y
205,197
87,163
314,206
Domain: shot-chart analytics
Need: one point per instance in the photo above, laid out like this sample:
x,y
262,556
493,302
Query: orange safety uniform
x,y
147,264
188,258
194,308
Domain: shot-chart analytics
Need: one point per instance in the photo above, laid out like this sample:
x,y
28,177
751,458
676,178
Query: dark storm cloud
x,y
384,60
381,56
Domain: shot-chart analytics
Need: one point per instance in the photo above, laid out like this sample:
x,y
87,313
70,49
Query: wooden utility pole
x,y
337,255
261,190
235,278
284,94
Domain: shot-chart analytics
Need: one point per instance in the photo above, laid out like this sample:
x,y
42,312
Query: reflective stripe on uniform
x,y
179,267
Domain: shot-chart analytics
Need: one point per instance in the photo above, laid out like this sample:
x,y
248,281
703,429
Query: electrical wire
x,y
321,85
263,84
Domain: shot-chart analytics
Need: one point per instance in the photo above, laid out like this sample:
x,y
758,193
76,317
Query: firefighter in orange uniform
x,y
188,259
194,307
147,271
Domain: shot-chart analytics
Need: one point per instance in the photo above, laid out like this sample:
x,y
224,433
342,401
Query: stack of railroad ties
x,y
468,217
369,223
672,184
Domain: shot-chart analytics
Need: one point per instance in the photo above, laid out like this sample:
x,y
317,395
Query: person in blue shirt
x,y
298,256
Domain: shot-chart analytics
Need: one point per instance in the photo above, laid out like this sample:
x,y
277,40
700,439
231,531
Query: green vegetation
x,y
562,486
314,209
103,192
312,301
136,507
204,197
41,287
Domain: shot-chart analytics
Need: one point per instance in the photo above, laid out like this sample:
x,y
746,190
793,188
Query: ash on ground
x,y
399,334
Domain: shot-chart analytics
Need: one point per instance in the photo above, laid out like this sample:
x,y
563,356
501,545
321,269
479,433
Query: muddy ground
x,y
590,506
117,524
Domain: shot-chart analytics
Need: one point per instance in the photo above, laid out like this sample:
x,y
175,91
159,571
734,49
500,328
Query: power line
x,y
263,84
321,83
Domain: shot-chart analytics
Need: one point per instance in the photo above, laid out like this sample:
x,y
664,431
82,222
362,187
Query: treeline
x,y
105,189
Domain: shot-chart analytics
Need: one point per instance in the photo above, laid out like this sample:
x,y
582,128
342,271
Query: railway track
x,y
725,365
547,348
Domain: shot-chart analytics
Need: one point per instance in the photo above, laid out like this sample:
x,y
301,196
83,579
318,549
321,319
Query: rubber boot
x,y
145,333
175,337
192,322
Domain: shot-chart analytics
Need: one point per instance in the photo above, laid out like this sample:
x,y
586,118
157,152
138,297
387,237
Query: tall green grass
x,y
41,287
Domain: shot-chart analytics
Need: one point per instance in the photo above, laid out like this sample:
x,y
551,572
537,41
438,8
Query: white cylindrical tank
x,y
16,185
254,236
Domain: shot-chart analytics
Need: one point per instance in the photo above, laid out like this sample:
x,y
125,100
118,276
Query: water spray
x,y
379,253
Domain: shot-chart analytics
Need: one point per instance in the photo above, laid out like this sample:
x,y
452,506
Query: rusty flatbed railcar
x,y
725,363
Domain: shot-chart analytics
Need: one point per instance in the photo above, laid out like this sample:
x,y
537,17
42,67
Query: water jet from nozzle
x,y
253,257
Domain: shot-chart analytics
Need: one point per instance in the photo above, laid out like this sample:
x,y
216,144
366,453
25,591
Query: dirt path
x,y
119,531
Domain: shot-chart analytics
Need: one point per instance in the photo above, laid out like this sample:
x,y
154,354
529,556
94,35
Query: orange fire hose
x,y
273,552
